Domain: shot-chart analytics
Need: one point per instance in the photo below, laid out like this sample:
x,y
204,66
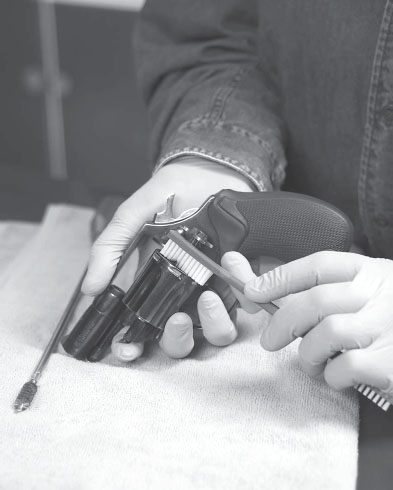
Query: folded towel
x,y
233,418
14,235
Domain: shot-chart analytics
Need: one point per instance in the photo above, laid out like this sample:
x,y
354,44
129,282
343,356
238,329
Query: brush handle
x,y
284,225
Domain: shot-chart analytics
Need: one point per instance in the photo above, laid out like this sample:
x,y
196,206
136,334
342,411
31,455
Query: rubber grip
x,y
284,225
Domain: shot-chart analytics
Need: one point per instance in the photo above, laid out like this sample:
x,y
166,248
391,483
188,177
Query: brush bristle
x,y
187,264
374,396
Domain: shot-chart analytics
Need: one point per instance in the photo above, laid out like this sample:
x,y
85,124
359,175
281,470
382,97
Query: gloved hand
x,y
192,181
338,302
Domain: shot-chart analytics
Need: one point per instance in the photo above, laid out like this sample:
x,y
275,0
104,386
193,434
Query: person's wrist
x,y
193,161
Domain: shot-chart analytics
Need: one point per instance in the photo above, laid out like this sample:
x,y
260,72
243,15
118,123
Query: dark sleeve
x,y
205,90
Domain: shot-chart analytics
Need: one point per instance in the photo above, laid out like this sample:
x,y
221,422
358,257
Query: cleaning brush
x,y
186,263
203,261
185,250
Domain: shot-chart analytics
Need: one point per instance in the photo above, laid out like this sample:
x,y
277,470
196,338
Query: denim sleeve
x,y
206,93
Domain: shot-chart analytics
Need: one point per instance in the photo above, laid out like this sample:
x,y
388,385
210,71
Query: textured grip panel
x,y
289,226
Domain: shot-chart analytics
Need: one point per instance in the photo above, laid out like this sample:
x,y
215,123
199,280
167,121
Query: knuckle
x,y
273,279
360,287
261,282
361,330
382,265
322,256
275,276
269,279
279,275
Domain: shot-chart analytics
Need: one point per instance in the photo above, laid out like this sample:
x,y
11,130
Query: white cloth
x,y
234,418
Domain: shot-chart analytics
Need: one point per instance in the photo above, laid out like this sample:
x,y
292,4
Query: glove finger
x,y
358,366
240,267
267,264
126,352
114,240
303,311
304,273
335,334
217,326
177,341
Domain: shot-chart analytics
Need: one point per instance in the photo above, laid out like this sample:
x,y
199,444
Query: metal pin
x,y
29,389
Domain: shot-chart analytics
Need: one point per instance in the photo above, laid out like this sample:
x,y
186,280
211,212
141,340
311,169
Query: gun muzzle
x,y
94,324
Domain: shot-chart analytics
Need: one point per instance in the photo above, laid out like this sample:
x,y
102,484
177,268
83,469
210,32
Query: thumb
x,y
114,240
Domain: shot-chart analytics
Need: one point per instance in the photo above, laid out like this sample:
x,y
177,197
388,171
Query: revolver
x,y
278,224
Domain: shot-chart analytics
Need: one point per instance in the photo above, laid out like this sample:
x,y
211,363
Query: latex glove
x,y
193,181
338,302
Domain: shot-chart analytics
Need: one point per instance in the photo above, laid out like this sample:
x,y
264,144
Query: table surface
x,y
375,464
376,427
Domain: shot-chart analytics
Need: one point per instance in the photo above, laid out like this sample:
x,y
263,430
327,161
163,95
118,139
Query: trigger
x,y
167,216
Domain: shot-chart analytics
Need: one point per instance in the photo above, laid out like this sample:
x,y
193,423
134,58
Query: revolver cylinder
x,y
159,291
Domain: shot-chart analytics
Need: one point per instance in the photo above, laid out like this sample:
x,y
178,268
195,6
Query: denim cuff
x,y
229,145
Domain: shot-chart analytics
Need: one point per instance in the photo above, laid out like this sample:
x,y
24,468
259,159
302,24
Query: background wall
x,y
72,124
